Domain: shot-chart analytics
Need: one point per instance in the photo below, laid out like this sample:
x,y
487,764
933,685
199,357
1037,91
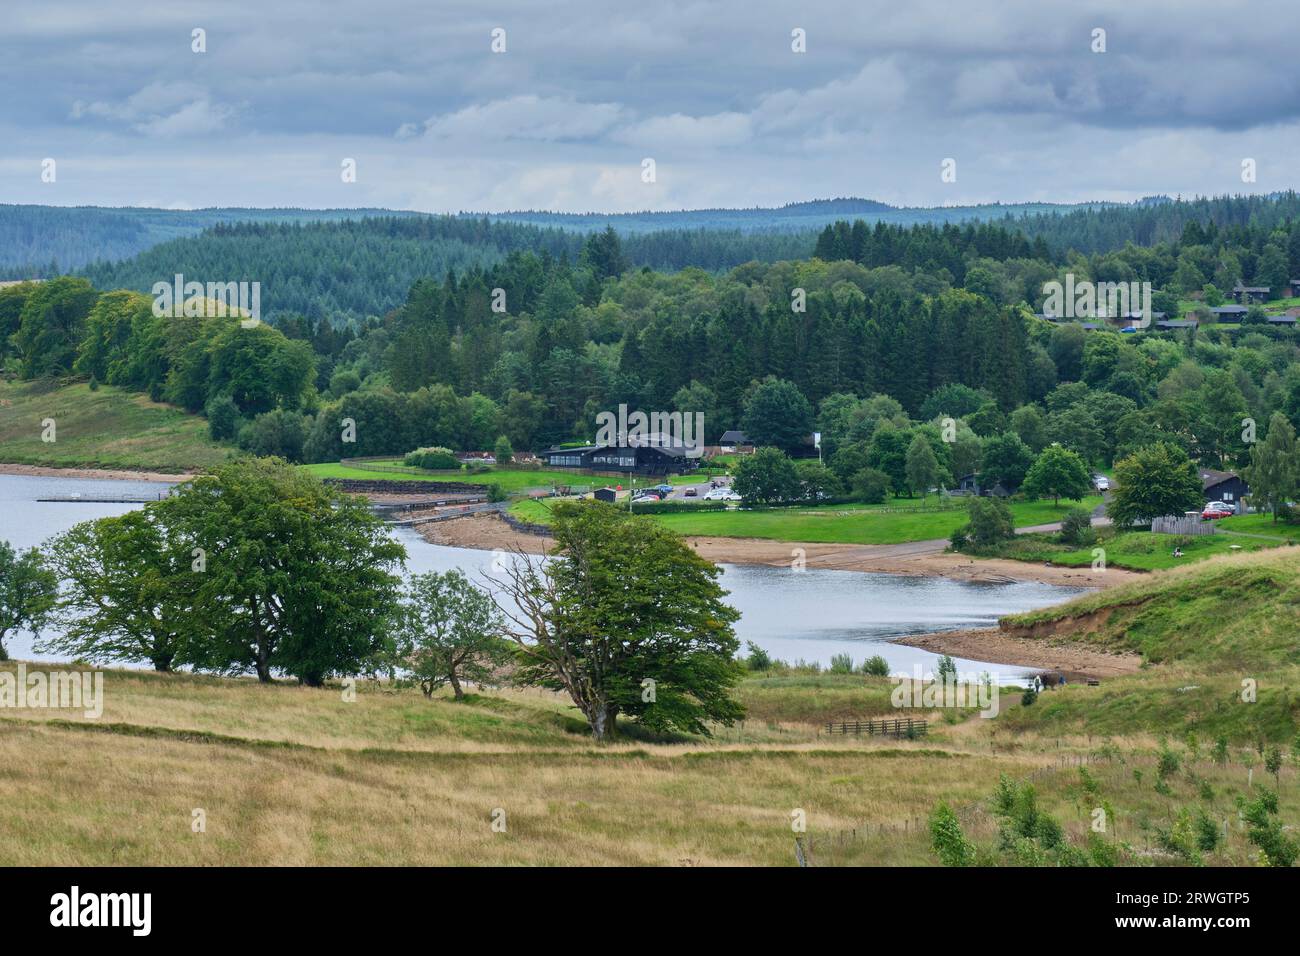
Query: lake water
x,y
808,615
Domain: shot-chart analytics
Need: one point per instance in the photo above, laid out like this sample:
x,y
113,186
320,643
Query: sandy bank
x,y
916,558
1076,661
40,471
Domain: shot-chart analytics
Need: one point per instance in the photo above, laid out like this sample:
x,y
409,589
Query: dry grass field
x,y
291,775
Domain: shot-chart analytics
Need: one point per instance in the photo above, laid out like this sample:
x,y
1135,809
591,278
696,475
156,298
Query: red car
x,y
1216,509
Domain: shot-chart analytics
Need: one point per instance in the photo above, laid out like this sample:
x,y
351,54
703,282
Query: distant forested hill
x,y
40,241
346,264
792,218
33,238
351,269
1153,220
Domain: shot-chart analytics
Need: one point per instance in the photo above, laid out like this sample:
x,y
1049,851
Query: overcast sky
x,y
585,91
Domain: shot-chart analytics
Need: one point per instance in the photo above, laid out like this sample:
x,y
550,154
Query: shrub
x,y
1207,832
946,669
990,524
947,840
503,451
1266,831
875,666
870,486
758,659
277,433
223,418
431,459
841,664
1076,527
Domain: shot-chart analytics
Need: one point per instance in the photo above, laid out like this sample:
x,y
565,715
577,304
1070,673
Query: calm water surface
x,y
808,615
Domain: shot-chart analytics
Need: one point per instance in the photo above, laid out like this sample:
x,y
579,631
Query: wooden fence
x,y
902,727
1181,525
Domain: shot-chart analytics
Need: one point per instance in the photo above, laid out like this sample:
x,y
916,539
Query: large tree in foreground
x,y
27,592
1154,481
627,619
128,590
297,577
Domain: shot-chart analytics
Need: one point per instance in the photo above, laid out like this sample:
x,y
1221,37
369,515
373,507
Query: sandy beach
x,y
914,558
1074,660
40,471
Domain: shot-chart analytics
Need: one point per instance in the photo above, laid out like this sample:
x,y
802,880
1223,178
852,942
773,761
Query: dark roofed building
x,y
1225,486
1229,311
1284,319
1177,324
733,437
646,457
969,485
1250,293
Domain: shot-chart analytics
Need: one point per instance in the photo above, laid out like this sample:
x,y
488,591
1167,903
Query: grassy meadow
x,y
890,523
1134,550
293,775
508,479
101,428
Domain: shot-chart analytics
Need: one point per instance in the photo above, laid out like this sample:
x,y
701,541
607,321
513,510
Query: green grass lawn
x,y
105,428
1230,611
508,479
832,524
1136,550
1260,524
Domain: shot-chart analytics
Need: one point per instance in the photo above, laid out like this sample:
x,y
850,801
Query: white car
x,y
721,494
1101,482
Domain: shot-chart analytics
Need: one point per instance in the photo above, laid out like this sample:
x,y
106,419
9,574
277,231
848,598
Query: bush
x,y
947,840
223,418
876,666
278,434
503,451
431,459
1076,527
841,664
496,493
1029,696
870,486
676,507
758,659
767,477
990,524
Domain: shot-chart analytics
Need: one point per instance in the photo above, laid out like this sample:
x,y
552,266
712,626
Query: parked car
x,y
690,493
664,490
1217,509
1101,482
717,494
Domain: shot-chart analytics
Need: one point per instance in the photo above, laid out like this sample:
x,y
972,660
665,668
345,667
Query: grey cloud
x,y
713,91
